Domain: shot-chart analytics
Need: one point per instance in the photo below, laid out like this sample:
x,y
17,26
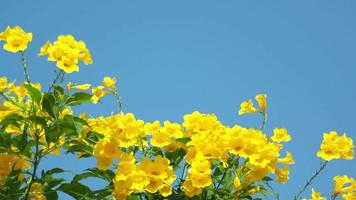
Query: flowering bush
x,y
200,158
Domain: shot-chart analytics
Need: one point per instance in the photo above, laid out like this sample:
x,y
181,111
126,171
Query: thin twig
x,y
309,181
24,66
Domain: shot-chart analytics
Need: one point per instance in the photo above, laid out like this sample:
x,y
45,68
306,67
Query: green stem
x,y
59,77
264,121
333,197
24,66
143,148
309,181
183,172
220,182
275,194
118,99
35,166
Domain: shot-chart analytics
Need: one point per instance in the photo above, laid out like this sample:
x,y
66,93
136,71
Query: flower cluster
x,y
209,140
36,192
248,107
67,52
345,187
108,86
336,147
147,175
121,130
10,162
199,158
16,39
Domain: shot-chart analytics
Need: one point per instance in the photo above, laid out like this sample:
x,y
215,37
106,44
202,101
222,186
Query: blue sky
x,y
174,57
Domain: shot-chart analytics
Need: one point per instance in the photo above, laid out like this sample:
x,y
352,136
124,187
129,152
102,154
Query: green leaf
x,y
20,141
72,148
71,125
77,190
13,119
38,120
11,188
107,175
48,104
267,179
58,90
78,98
5,140
34,93
104,193
52,133
54,171
51,194
93,137
176,156
183,140
134,197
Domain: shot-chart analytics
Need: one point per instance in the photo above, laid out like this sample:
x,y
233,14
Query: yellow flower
x,y
162,136
200,173
66,111
344,184
174,130
166,190
16,39
105,151
280,135
261,100
36,192
67,52
44,49
10,162
160,175
349,196
247,107
317,196
282,174
82,87
98,93
6,109
288,160
190,189
137,180
3,83
109,82
237,183
336,147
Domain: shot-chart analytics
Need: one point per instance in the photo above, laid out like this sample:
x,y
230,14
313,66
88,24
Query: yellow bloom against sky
x,y
211,57
66,52
336,147
16,39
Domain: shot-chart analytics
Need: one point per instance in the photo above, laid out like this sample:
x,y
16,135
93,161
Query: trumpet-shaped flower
x,y
336,147
280,135
16,39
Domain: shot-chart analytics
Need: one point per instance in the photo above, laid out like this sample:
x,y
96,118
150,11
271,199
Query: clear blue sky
x,y
175,57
